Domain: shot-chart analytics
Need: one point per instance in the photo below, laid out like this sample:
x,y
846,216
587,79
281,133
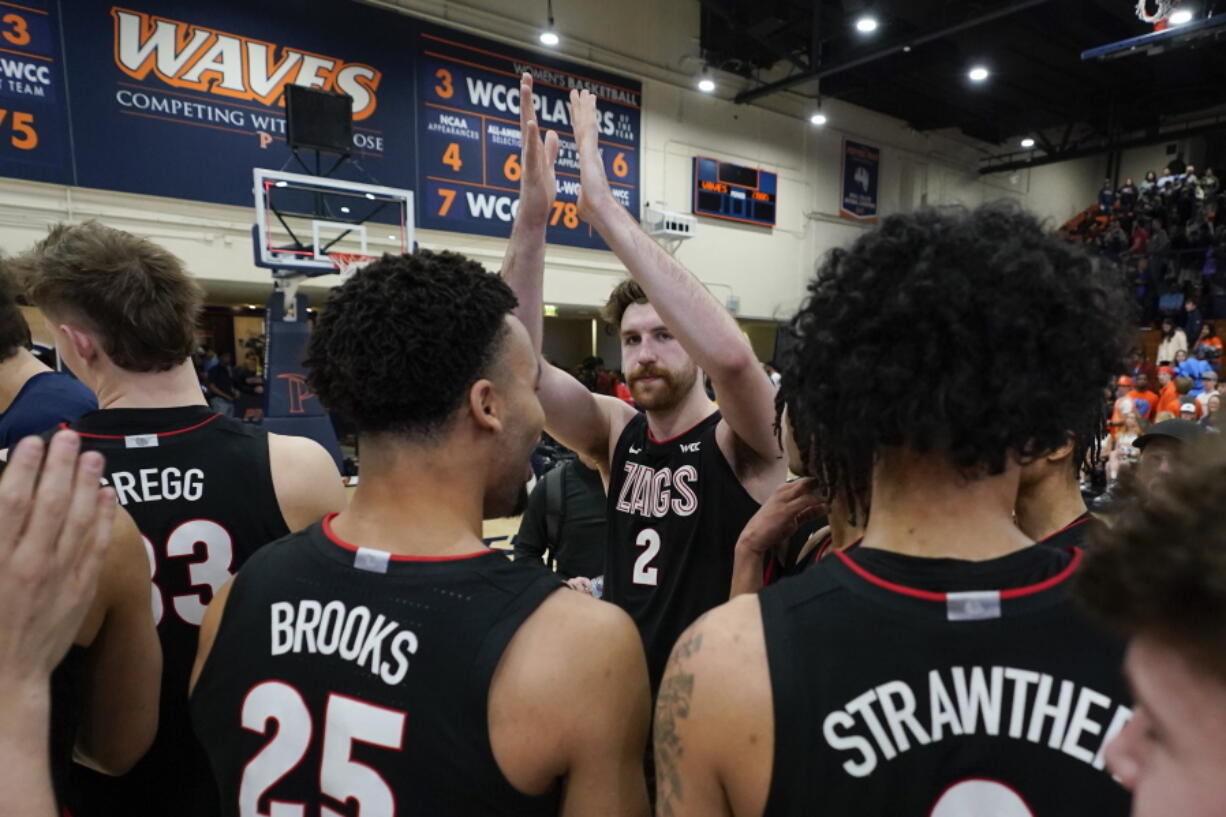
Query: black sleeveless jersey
x,y
199,487
949,701
675,509
344,673
1075,533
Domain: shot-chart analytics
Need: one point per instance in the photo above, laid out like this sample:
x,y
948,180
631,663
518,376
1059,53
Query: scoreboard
x,y
734,192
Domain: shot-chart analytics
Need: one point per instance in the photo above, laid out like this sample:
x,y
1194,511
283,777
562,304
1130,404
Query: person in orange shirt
x,y
1168,399
1123,404
1141,392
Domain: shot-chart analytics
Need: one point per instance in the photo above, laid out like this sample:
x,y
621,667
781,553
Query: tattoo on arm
x,y
673,706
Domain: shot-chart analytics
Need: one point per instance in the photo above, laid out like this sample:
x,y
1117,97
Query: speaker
x,y
318,120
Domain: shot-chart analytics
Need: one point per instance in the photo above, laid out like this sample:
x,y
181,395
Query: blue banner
x,y
861,170
182,98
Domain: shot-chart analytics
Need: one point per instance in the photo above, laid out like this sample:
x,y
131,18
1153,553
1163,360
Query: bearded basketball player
x,y
684,476
386,656
205,491
940,667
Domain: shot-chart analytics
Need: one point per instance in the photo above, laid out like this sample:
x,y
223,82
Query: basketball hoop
x,y
347,263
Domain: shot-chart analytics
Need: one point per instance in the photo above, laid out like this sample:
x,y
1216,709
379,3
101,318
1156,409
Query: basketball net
x,y
1165,7
347,263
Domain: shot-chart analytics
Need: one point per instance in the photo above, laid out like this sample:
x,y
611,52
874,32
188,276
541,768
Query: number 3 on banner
x,y
346,721
444,88
20,33
643,574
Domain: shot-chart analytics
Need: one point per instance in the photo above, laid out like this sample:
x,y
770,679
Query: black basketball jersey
x,y
199,487
676,509
941,687
341,672
1075,533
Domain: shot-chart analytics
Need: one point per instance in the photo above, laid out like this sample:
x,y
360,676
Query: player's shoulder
x,y
586,642
577,620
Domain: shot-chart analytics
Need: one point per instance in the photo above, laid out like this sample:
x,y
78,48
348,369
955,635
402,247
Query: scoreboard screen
x,y
734,192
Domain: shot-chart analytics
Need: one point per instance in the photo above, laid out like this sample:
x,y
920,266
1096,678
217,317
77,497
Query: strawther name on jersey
x,y
892,718
353,634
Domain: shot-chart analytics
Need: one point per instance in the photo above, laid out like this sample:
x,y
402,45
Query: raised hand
x,y
538,186
790,506
595,195
56,526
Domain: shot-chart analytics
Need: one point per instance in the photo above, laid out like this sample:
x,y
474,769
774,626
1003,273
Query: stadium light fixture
x,y
866,24
550,36
1027,143
1180,17
978,73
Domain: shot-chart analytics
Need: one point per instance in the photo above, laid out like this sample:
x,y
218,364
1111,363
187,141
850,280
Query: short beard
x,y
676,387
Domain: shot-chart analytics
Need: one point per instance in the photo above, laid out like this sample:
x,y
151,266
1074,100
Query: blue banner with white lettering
x,y
861,170
182,98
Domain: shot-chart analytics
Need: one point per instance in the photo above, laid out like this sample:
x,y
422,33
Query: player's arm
x,y
305,479
790,506
120,706
714,722
705,329
570,702
208,632
580,420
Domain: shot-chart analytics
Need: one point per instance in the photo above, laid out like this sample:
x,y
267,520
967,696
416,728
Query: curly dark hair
x,y
399,344
625,293
1161,567
14,331
973,333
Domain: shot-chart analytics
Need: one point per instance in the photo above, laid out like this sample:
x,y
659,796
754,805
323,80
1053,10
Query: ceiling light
x,y
866,24
818,119
344,209
550,37
706,85
370,195
1180,17
978,73
282,184
1027,142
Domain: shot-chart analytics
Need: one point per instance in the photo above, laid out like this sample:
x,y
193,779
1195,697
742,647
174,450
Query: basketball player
x,y
939,667
684,477
1173,608
1050,508
204,490
386,655
52,546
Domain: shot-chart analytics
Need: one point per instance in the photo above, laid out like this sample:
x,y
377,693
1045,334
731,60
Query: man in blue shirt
x,y
33,398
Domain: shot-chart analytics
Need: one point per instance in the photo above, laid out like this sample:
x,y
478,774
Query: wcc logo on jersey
x,y
194,57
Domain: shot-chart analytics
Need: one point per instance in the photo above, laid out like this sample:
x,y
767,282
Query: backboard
x,y
315,225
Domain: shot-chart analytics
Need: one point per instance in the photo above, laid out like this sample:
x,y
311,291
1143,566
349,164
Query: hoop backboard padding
x,y
301,220
318,120
1199,33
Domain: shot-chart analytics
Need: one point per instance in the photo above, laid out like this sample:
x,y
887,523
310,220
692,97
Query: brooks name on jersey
x,y
348,633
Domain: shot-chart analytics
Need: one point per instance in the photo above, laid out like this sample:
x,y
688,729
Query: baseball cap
x,y
1166,370
1184,431
1124,380
1188,407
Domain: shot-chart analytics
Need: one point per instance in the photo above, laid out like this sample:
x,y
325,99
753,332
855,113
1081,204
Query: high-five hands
x,y
538,186
595,195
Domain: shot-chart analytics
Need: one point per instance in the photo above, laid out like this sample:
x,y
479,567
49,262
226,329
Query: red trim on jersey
x,y
931,595
768,572
125,436
395,557
652,438
1081,520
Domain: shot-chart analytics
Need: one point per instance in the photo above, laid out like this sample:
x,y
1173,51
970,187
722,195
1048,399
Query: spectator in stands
x,y
1183,389
1149,182
620,390
1189,411
1140,238
1144,400
1195,368
1123,452
1192,320
1213,413
1168,398
1166,179
1210,186
222,394
33,398
1174,340
1209,346
1209,387
1128,195
564,522
1106,196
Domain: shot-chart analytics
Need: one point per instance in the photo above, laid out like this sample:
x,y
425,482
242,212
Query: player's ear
x,y
486,406
82,343
1061,452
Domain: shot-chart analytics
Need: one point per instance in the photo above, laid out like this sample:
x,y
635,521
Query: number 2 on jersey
x,y
346,721
644,573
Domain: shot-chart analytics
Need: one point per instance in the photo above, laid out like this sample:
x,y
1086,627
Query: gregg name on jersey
x,y
157,484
